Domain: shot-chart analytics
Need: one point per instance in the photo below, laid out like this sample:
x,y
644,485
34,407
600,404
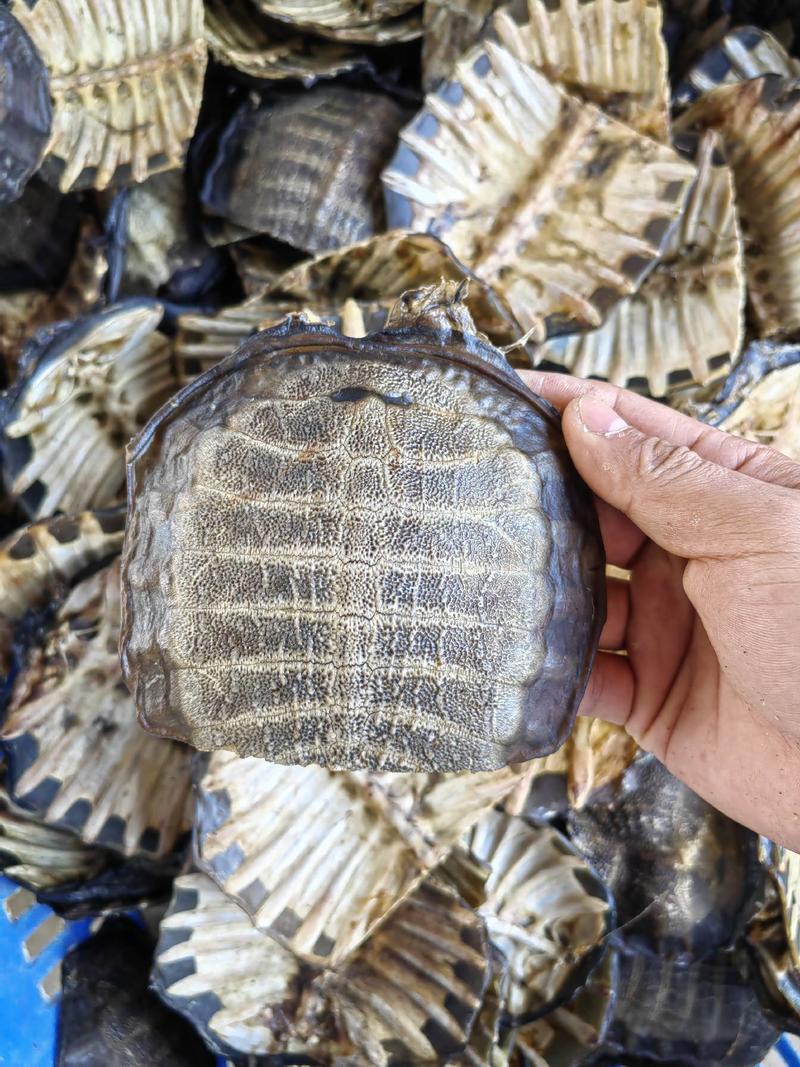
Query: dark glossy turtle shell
x,y
360,552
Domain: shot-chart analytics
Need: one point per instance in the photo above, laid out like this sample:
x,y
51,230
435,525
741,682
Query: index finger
x,y
658,420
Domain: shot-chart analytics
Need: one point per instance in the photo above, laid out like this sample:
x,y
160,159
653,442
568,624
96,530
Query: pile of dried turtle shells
x,y
616,183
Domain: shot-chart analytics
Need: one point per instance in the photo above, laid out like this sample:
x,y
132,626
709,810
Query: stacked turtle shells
x,y
610,188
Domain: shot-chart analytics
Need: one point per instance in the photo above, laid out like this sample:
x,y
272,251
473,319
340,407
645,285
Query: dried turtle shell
x,y
354,288
774,937
40,857
636,840
304,169
269,51
25,111
569,1035
378,22
371,553
744,53
759,122
109,1016
545,910
609,52
450,28
696,1012
559,208
40,230
76,756
84,389
411,994
686,322
244,992
39,562
126,81
24,313
318,858
759,400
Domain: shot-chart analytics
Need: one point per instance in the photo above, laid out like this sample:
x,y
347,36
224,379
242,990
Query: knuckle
x,y
661,462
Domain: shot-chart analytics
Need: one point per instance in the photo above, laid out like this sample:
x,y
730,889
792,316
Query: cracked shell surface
x,y
26,113
685,325
305,169
317,858
744,53
558,207
545,911
609,52
759,122
269,51
76,755
126,81
84,389
372,553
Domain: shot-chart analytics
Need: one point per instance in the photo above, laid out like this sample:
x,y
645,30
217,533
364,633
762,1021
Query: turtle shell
x,y
26,114
361,552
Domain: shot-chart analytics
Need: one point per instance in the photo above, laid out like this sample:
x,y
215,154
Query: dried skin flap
x,y
609,52
77,756
545,911
240,988
414,990
25,110
304,169
374,22
238,38
744,53
686,323
318,858
759,122
558,207
126,81
69,419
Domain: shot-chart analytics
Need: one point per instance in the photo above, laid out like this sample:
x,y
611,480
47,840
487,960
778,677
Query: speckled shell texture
x,y
364,553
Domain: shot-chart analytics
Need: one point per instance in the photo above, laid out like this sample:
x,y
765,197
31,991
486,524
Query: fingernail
x,y
598,417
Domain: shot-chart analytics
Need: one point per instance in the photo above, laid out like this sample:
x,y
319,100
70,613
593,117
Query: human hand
x,y
709,526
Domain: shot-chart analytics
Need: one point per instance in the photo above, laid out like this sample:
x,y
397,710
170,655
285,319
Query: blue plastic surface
x,y
31,946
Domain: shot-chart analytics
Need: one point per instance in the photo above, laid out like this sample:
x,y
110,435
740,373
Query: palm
x,y
684,708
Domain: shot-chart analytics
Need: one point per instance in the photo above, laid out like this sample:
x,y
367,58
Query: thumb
x,y
688,505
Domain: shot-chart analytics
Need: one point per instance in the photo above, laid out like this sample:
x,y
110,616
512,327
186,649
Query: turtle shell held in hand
x,y
367,553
